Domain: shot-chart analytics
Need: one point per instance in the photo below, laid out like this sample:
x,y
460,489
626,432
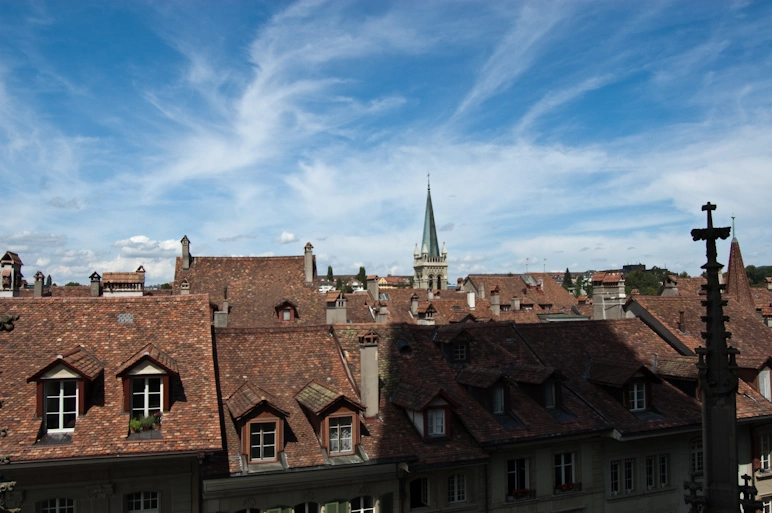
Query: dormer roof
x,y
318,399
418,397
248,397
77,359
616,373
11,258
478,376
154,355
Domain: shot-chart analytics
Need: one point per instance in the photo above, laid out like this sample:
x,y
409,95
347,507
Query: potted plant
x,y
566,487
135,425
520,493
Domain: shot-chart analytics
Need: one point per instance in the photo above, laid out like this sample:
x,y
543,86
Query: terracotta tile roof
x,y
254,286
150,352
316,397
550,295
248,397
123,277
737,285
530,374
414,397
611,372
11,258
479,377
48,327
607,278
79,360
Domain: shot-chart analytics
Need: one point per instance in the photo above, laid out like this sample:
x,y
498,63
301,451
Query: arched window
x,y
57,506
145,502
362,504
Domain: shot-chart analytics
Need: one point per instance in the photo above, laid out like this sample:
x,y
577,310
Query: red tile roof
x,y
48,327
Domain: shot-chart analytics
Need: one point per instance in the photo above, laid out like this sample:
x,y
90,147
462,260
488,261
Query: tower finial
x,y
428,181
734,234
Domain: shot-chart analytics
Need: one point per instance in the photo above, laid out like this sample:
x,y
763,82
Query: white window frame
x,y
146,499
697,462
764,385
615,476
59,399
435,418
336,426
456,488
629,475
145,393
766,506
766,449
424,493
520,474
663,462
564,464
58,505
363,508
498,399
636,396
261,446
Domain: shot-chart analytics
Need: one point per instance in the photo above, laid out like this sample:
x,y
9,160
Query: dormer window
x,y
550,395
61,389
428,409
336,418
636,396
286,311
147,382
459,352
498,399
764,385
436,422
260,422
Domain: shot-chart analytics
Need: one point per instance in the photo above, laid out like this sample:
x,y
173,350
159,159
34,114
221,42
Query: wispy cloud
x,y
286,238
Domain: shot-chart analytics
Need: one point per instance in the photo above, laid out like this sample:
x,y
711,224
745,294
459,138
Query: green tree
x,y
72,284
683,275
329,273
647,282
339,284
48,281
362,275
567,281
578,286
165,286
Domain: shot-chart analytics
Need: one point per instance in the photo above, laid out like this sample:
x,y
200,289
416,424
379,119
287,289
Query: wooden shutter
x,y
333,507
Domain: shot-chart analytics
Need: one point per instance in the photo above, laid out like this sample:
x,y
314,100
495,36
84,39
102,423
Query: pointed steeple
x,y
430,231
737,285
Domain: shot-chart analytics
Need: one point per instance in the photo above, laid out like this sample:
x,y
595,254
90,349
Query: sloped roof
x,y
480,377
78,359
737,285
11,258
123,277
248,397
51,326
150,352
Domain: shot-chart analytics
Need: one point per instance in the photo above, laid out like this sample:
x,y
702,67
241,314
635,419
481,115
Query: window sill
x,y
577,487
763,474
151,434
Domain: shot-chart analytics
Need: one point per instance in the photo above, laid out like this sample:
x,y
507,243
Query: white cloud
x,y
286,238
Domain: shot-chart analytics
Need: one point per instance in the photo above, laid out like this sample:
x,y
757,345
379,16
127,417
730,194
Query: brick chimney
x,y
39,278
185,253
221,316
185,287
429,294
96,285
496,301
308,262
368,360
382,315
481,290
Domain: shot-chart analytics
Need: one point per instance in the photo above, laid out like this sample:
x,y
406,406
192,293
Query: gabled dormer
x,y
147,380
489,386
286,311
630,383
260,422
457,350
10,274
334,416
425,314
428,408
63,386
540,382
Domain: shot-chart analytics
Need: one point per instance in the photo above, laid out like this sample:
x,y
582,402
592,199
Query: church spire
x,y
737,285
430,231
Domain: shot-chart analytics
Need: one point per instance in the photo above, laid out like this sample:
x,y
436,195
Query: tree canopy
x,y
362,275
329,273
567,281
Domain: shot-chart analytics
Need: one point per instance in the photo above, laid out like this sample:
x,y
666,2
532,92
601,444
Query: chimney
x,y
368,361
481,290
460,285
185,287
336,310
221,316
382,317
96,285
515,303
681,324
39,277
654,362
496,301
470,300
540,285
372,287
414,304
429,294
769,283
308,262
185,253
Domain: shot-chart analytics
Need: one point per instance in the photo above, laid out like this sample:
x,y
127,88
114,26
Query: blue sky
x,y
584,133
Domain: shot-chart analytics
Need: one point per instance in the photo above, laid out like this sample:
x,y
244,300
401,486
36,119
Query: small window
x,y
436,422
146,502
764,457
614,470
57,506
459,352
629,470
696,455
262,441
362,505
636,396
498,399
564,471
286,314
61,405
764,388
419,493
457,488
550,396
146,396
341,435
657,471
518,485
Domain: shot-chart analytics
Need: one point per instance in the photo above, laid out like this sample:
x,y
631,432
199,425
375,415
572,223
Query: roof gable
x,y
152,354
249,397
78,360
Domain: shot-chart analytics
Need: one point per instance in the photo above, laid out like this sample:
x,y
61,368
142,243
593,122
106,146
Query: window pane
x,y
154,385
70,387
137,385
